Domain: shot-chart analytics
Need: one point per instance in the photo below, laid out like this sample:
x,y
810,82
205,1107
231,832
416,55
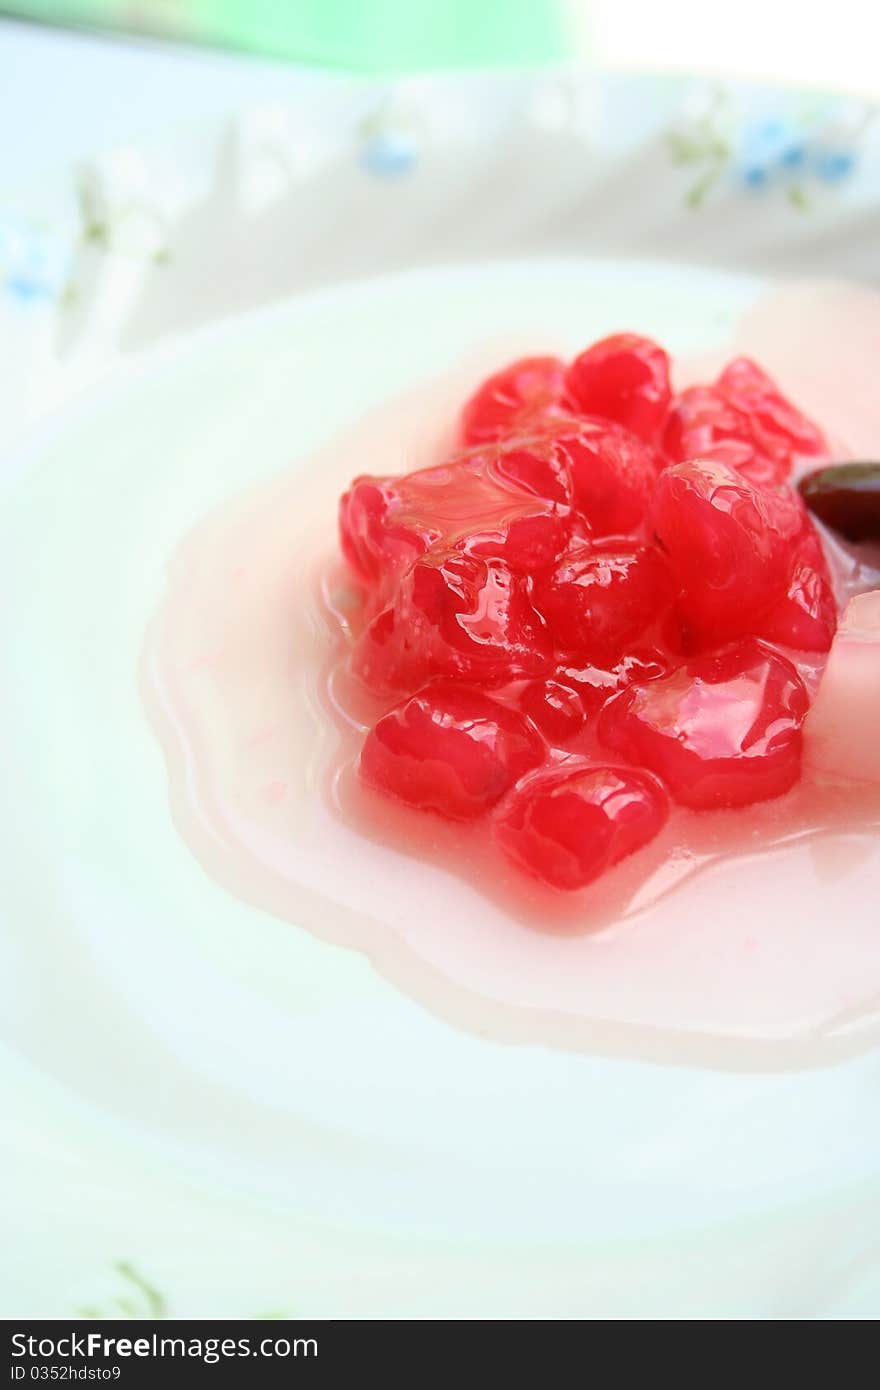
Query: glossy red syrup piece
x,y
518,398
723,730
454,615
644,664
555,707
569,824
449,749
612,473
703,424
731,546
532,464
805,617
601,597
508,502
780,429
743,420
623,378
593,684
604,567
596,684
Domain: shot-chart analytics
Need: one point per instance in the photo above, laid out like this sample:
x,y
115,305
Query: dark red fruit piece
x,y
623,378
612,473
568,824
511,502
555,708
454,615
449,749
723,730
847,498
601,597
731,546
519,397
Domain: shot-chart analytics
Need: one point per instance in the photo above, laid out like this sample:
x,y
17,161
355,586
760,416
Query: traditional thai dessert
x,y
570,728
608,602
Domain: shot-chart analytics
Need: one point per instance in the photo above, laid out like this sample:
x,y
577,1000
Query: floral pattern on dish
x,y
778,146
35,261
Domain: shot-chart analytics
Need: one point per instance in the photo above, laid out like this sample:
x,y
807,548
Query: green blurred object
x,y
374,36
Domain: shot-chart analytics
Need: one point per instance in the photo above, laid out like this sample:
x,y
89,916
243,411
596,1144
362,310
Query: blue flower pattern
x,y
778,152
763,151
388,141
760,152
34,262
390,154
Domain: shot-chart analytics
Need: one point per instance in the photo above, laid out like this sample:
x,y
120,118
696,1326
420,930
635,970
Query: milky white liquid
x,y
743,938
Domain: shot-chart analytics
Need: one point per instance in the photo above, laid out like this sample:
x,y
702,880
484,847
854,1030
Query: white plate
x,y
257,1119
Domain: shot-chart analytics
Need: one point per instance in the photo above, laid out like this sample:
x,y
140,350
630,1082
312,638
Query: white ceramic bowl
x,y
255,1118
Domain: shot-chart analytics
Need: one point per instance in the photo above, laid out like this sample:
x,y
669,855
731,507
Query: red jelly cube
x,y
644,664
601,597
531,522
805,617
454,615
780,429
518,398
723,730
612,473
623,378
373,541
744,421
507,501
731,546
533,465
703,424
566,825
449,749
596,684
555,707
